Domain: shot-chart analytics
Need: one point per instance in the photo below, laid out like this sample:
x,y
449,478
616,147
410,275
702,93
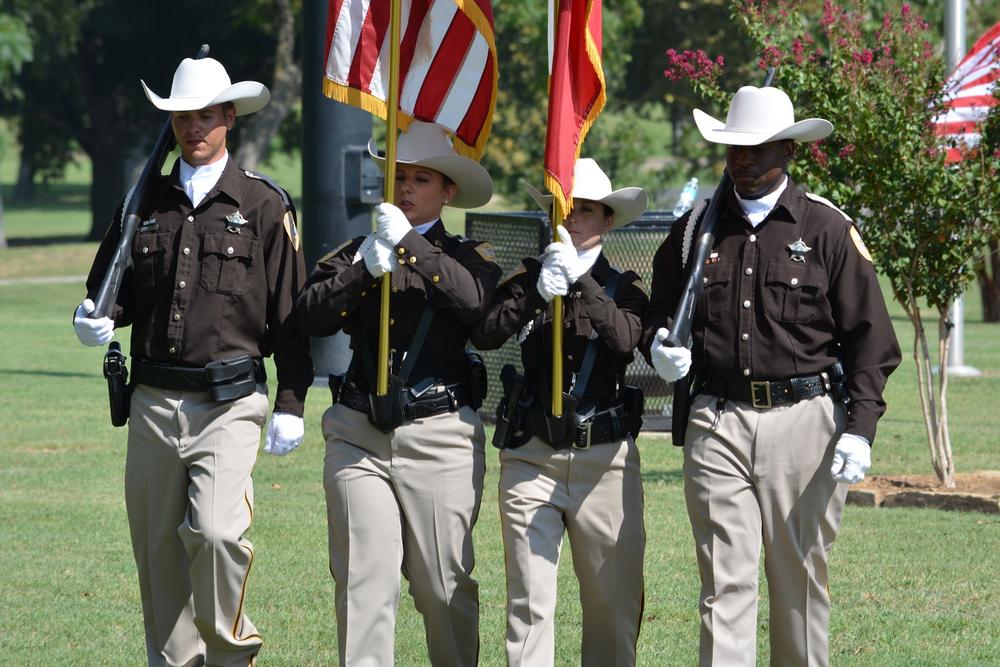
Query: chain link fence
x,y
520,234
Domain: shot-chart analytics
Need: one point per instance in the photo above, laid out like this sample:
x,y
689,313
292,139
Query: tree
x,y
15,50
879,80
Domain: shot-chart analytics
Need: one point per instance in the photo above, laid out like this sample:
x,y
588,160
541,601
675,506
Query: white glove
x,y
377,255
565,255
391,224
852,457
552,280
92,332
671,363
284,433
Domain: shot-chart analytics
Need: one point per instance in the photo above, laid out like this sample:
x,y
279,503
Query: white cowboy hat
x,y
590,182
427,145
757,116
203,83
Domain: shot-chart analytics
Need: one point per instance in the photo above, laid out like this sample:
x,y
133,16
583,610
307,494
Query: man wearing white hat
x,y
792,346
216,270
403,486
583,480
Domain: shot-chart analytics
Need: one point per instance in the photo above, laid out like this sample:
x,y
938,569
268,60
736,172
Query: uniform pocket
x,y
149,258
713,303
794,292
227,263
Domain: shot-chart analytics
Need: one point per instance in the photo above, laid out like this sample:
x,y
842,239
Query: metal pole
x,y
955,48
329,131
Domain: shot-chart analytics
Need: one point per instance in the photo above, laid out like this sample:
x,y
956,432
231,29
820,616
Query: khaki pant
x,y
757,477
189,498
594,496
404,501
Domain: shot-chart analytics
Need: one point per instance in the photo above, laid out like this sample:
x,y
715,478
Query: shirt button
x,y
187,251
401,251
364,293
182,284
567,323
569,357
343,313
538,311
229,250
172,350
190,218
177,316
402,261
436,279
395,289
413,260
746,304
795,281
145,250
745,337
753,238
749,271
391,321
746,372
704,280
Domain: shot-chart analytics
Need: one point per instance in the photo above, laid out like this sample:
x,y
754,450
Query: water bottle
x,y
686,200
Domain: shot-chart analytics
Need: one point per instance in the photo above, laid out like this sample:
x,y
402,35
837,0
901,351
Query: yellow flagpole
x,y
390,184
557,330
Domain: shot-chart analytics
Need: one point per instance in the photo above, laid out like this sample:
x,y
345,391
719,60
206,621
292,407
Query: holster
x,y
681,411
561,430
229,379
476,379
119,391
387,411
509,413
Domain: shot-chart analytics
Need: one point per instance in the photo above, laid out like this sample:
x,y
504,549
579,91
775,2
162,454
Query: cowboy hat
x,y
427,145
590,182
202,83
757,116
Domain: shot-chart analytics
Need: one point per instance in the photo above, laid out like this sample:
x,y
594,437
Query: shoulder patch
x,y
827,202
859,244
487,252
639,285
513,274
291,229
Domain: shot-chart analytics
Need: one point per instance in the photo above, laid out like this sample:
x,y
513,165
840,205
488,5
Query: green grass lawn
x,y
910,586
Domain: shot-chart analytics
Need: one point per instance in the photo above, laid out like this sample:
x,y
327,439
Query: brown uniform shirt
x,y
587,311
763,315
203,287
459,275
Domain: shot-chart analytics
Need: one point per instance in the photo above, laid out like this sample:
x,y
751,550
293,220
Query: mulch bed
x,y
975,491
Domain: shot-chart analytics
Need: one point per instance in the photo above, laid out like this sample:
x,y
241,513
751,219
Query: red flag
x,y
576,92
969,95
447,68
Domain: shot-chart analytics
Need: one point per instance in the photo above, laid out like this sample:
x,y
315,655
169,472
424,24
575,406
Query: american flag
x,y
447,68
576,91
969,96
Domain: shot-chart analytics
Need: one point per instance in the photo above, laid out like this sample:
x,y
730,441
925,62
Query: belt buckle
x,y
583,428
755,387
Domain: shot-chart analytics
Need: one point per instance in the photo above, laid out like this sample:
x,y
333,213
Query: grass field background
x,y
910,587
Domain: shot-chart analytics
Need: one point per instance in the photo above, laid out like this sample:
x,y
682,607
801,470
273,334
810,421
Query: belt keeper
x,y
584,428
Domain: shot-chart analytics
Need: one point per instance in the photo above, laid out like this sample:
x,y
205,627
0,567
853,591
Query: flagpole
x,y
557,329
392,98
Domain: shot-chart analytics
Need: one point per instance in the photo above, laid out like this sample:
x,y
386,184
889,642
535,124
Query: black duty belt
x,y
763,394
185,378
447,398
602,428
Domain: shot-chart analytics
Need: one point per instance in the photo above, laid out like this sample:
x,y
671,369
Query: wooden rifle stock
x,y
107,293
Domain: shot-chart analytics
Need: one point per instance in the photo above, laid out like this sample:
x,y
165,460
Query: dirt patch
x,y
975,491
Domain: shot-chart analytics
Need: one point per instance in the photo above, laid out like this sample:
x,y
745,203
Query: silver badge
x,y
234,221
798,250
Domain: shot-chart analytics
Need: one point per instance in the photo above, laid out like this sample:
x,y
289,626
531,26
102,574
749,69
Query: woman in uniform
x,y
578,474
404,472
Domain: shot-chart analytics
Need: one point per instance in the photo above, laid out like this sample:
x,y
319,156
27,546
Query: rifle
x,y
107,294
681,329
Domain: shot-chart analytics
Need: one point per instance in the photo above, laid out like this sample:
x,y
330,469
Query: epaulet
x,y
827,202
513,274
270,182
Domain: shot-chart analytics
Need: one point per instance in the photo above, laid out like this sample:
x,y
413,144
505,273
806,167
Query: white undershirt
x,y
757,209
198,181
590,254
422,229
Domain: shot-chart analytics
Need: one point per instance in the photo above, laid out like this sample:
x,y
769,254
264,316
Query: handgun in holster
x,y
119,392
509,412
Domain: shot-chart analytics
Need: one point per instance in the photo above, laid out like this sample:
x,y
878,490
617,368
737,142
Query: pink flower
x,y
846,151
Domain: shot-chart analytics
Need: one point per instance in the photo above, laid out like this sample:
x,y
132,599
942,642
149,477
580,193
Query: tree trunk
x,y
946,471
107,186
24,188
260,128
3,226
988,273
